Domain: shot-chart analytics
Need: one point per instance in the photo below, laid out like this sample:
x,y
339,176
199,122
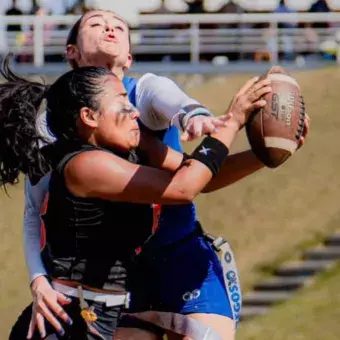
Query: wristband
x,y
192,111
212,153
189,112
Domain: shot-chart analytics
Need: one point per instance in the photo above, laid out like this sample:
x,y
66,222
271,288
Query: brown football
x,y
274,131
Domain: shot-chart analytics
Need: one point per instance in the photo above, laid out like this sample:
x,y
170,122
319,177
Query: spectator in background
x,y
79,8
195,6
231,7
162,9
27,38
236,36
319,6
14,10
15,35
158,35
284,36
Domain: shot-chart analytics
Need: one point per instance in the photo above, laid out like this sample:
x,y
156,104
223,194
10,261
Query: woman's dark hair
x,y
73,35
72,39
20,101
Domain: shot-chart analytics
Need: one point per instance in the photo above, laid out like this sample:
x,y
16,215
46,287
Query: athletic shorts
x,y
184,278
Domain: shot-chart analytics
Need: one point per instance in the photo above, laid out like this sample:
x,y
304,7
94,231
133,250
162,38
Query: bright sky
x,y
130,8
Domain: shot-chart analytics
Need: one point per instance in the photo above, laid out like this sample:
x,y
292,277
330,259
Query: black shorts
x,y
102,329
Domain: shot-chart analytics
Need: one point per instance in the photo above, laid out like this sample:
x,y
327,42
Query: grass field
x,y
268,217
313,315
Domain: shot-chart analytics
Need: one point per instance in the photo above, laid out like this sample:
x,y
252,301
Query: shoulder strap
x,y
62,164
74,151
131,156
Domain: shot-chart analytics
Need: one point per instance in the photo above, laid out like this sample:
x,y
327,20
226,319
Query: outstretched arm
x,y
103,175
162,103
242,164
100,174
236,167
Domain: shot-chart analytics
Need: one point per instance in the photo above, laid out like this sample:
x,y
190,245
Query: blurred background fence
x,y
200,42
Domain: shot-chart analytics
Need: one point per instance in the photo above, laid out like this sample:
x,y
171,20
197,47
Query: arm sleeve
x,y
162,103
43,130
34,197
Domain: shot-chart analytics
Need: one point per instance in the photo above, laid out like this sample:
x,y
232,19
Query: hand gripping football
x,y
274,131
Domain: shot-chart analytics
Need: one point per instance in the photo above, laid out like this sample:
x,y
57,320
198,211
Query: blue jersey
x,y
176,221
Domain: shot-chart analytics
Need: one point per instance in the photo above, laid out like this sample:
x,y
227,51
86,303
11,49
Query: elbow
x,y
187,195
206,190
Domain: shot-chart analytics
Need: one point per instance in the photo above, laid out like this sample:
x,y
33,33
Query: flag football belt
x,y
230,273
109,299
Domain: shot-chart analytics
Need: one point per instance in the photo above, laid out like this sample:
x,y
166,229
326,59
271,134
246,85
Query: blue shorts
x,y
184,278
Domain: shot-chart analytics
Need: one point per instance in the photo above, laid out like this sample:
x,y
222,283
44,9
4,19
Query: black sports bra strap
x,y
80,149
131,156
62,164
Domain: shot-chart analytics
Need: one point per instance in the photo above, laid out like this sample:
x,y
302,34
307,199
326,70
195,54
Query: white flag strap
x,y
230,273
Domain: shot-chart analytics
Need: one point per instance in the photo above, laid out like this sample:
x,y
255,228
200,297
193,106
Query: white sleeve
x,y
162,103
34,198
43,130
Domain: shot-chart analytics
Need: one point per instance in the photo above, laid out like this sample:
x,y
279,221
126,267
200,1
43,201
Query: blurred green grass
x,y
313,314
14,287
268,216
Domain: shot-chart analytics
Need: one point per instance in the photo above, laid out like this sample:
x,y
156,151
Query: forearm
x,y
98,174
158,154
32,241
235,167
34,197
161,102
192,177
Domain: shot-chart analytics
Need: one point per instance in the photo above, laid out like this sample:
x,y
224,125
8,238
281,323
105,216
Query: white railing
x,y
41,37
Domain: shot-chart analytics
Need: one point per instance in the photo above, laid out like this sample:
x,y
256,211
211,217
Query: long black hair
x,y
20,100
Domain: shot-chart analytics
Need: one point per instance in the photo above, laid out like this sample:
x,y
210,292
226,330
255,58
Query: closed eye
x,y
95,24
128,109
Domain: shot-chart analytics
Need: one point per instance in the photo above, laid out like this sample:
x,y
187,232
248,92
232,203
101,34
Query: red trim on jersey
x,y
43,211
156,214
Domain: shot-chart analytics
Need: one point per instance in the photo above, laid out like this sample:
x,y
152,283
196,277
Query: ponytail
x,y
20,142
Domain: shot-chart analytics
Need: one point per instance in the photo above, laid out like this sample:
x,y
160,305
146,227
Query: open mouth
x,y
110,38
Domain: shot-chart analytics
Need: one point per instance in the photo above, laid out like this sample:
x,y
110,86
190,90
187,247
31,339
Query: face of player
x,y
114,125
102,40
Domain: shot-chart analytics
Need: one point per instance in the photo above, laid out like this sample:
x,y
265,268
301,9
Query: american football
x,y
274,131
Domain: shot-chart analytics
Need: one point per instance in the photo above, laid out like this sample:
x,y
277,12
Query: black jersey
x,y
92,241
